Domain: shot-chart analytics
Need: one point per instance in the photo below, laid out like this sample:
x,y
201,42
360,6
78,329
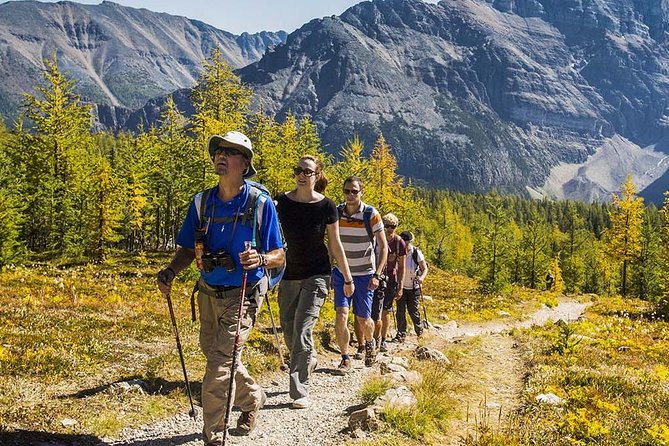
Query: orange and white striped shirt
x,y
358,248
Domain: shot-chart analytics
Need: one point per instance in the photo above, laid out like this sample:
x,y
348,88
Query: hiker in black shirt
x,y
305,215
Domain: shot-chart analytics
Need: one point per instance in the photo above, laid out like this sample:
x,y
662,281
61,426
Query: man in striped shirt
x,y
360,228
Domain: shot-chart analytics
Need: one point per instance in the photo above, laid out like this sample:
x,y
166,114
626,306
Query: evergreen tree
x,y
535,241
221,104
624,236
11,202
494,244
351,164
61,128
647,266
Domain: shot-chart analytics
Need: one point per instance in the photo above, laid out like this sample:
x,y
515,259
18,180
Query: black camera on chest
x,y
211,260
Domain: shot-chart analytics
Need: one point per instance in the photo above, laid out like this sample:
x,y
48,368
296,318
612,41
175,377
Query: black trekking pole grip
x,y
192,412
235,351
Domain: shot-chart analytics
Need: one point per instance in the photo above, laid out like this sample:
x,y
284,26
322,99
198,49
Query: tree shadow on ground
x,y
156,386
38,438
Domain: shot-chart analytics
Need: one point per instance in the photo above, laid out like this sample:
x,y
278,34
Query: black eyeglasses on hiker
x,y
389,226
227,151
351,191
297,170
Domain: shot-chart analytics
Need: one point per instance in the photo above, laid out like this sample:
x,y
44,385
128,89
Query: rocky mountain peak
x,y
120,56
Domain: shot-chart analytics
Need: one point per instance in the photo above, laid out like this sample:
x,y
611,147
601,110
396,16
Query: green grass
x,y
373,388
615,381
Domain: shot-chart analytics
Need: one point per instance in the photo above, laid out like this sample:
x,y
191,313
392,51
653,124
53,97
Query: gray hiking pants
x,y
218,324
300,302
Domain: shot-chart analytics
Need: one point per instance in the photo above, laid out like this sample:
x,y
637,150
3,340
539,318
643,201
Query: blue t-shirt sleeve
x,y
270,234
186,236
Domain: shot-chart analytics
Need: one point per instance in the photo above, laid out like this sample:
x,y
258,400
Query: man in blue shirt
x,y
217,240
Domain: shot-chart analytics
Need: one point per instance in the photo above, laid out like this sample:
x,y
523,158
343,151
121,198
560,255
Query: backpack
x,y
366,218
414,257
251,211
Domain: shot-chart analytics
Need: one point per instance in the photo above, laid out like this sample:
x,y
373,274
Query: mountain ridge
x,y
538,97
120,56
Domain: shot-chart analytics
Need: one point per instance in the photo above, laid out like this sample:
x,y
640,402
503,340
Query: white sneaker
x,y
302,403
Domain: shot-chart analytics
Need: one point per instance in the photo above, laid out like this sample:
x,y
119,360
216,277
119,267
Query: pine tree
x,y
175,175
61,130
494,244
221,104
535,242
624,236
647,266
558,285
351,164
11,203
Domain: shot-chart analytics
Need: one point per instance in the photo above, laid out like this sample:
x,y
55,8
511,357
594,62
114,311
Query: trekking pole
x,y
235,350
192,412
284,367
426,324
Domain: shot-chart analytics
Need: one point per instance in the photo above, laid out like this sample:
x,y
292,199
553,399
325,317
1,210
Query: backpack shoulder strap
x,y
201,200
366,218
414,256
251,202
340,209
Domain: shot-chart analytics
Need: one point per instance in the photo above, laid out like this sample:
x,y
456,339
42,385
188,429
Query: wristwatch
x,y
263,260
375,275
348,282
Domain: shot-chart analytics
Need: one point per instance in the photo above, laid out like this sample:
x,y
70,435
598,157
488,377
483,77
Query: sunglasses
x,y
389,226
351,191
297,170
227,151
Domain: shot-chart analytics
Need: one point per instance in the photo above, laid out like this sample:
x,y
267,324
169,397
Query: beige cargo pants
x,y
218,323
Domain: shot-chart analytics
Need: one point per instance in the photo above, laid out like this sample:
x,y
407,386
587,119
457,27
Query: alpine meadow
x,y
88,217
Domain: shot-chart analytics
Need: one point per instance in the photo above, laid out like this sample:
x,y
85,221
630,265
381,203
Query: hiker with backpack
x,y
305,215
415,272
360,228
219,232
393,273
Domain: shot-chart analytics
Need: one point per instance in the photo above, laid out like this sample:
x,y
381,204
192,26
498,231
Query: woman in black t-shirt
x,y
305,215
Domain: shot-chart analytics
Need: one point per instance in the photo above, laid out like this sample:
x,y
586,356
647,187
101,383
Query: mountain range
x,y
121,57
558,98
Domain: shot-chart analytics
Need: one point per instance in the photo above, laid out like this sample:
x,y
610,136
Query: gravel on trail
x,y
324,423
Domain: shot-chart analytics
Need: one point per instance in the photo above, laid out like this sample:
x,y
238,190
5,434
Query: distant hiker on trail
x,y
393,274
415,273
360,226
550,281
215,232
305,215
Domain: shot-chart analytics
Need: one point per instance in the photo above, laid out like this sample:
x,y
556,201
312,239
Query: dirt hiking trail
x,y
497,383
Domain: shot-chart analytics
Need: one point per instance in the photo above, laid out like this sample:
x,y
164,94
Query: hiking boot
x,y
247,420
360,353
384,346
301,403
344,367
370,354
399,338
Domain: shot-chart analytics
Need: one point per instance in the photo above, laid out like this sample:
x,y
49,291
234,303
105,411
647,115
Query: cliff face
x,y
546,97
119,56
475,94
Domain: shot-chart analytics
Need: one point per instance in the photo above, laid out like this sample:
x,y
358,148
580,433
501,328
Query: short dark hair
x,y
354,179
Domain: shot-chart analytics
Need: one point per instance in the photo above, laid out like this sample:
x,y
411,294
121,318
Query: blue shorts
x,y
362,296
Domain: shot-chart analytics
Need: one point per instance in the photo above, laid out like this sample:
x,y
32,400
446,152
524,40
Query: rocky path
x,y
321,424
325,422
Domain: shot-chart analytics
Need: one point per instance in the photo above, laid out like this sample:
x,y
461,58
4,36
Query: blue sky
x,y
237,16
